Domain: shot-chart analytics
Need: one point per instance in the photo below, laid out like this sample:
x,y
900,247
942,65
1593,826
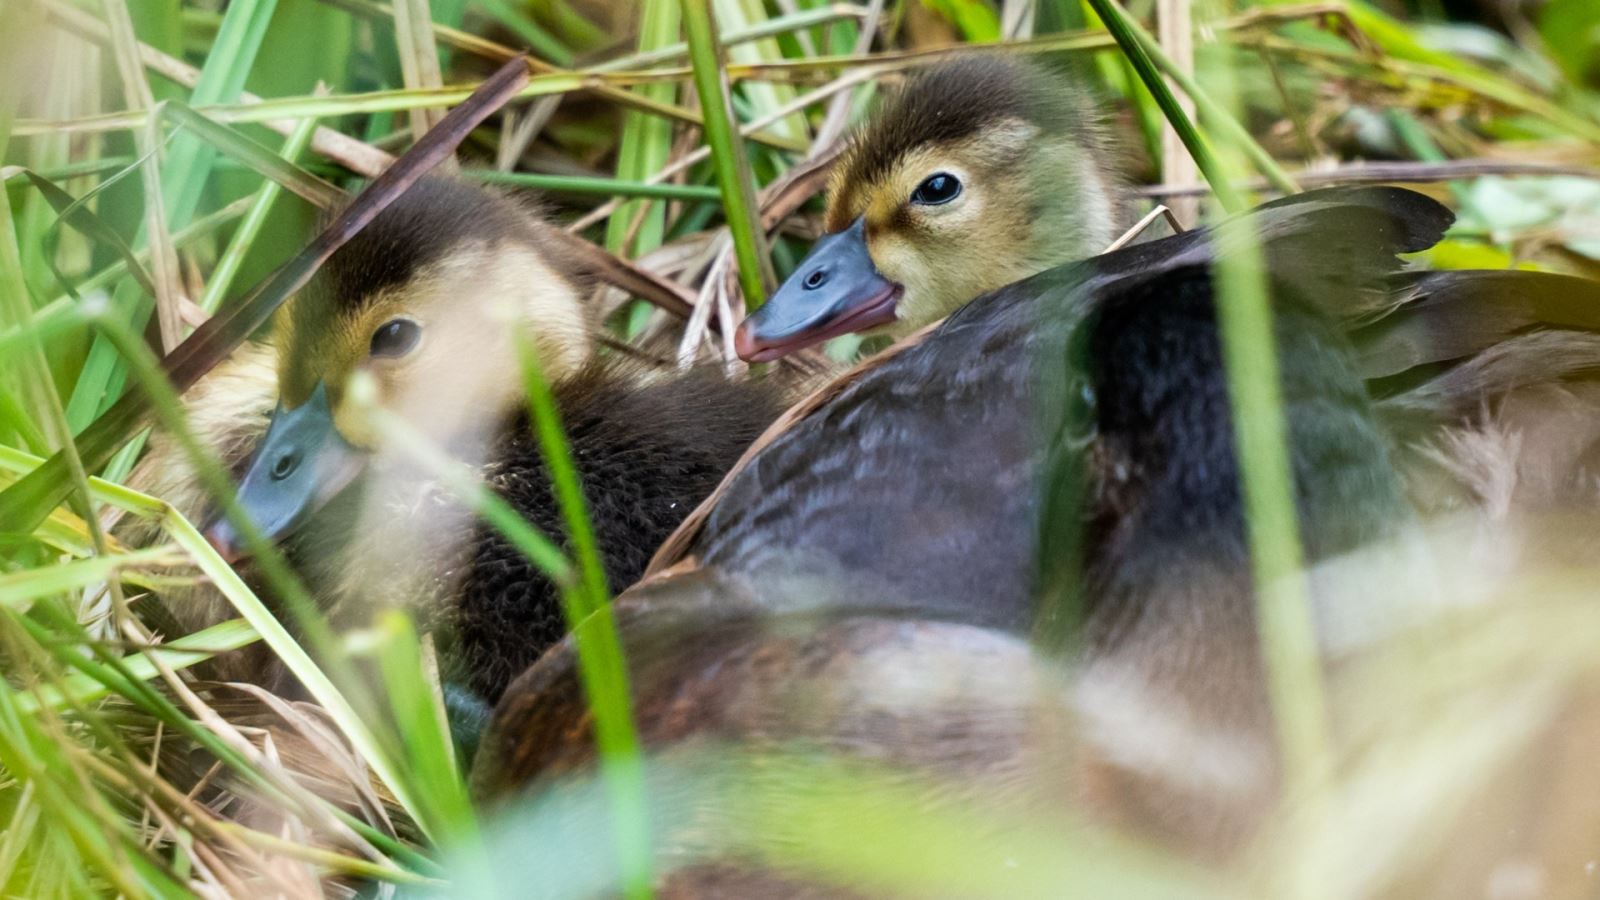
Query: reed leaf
x,y
260,159
645,143
244,237
1127,35
727,153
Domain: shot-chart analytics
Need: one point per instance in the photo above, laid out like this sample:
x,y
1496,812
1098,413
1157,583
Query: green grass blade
x,y
1128,36
427,752
601,665
259,158
18,590
545,45
773,27
180,653
244,236
59,313
188,166
763,97
727,152
26,503
1216,115
609,187
1283,596
646,141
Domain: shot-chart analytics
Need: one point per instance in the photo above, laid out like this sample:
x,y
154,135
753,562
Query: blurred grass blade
x,y
25,504
1284,615
19,589
180,653
601,665
727,153
427,753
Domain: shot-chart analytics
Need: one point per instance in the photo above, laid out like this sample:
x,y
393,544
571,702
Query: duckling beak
x,y
301,464
835,291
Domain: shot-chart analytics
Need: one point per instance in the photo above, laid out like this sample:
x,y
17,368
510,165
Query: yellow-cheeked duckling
x,y
427,302
982,172
918,229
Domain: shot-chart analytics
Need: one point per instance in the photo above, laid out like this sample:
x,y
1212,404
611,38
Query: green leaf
x,y
646,141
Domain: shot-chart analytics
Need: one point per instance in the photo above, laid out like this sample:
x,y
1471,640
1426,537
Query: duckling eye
x,y
395,338
938,188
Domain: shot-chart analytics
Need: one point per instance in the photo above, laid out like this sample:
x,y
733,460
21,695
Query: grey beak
x,y
836,290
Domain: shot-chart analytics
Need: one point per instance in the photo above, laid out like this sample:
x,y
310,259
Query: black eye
x,y
395,338
940,187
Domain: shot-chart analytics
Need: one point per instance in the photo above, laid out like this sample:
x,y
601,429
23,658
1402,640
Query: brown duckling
x,y
865,595
856,578
426,302
866,583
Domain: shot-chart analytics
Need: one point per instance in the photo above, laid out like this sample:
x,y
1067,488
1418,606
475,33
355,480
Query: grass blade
x,y
181,653
188,167
608,187
419,58
1284,614
147,140
1127,35
244,236
601,665
261,159
727,153
646,142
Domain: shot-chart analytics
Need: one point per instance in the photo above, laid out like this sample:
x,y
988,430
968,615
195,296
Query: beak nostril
x,y
285,466
816,278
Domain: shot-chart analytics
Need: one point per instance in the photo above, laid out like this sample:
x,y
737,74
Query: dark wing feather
x,y
1443,317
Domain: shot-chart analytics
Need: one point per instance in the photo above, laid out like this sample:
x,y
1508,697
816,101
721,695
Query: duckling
x,y
981,171
868,584
426,302
919,228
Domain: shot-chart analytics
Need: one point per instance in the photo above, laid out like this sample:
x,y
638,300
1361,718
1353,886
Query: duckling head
x,y
427,305
981,172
